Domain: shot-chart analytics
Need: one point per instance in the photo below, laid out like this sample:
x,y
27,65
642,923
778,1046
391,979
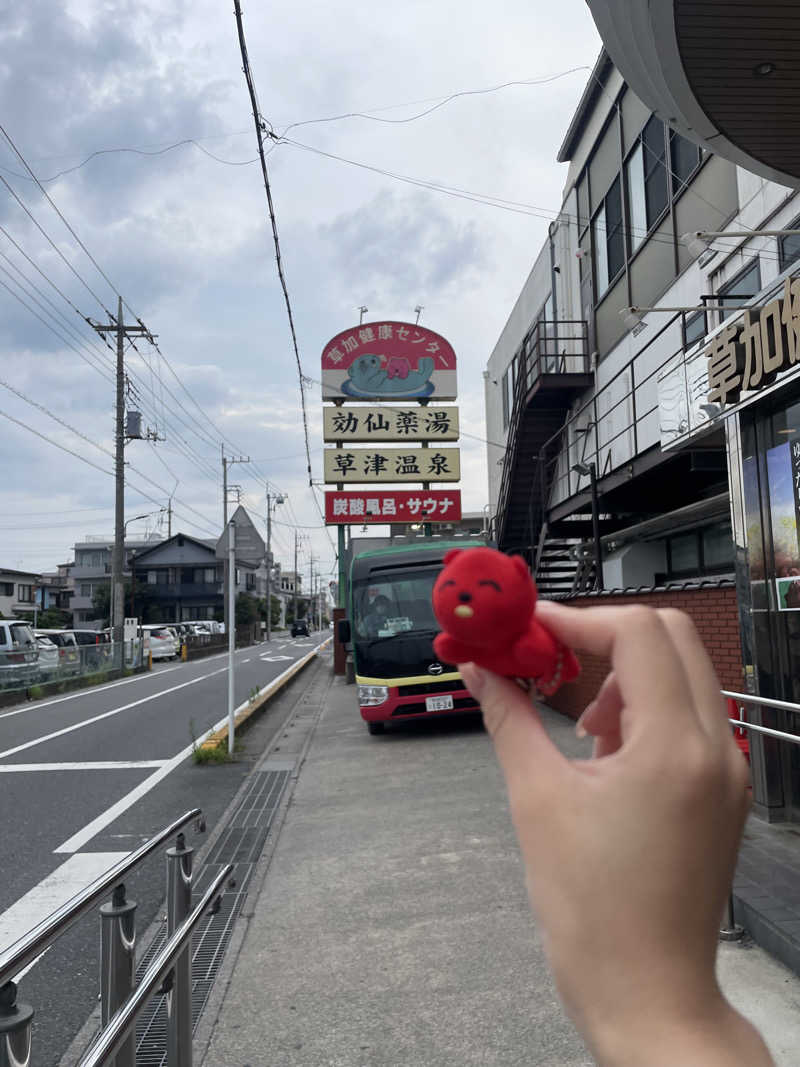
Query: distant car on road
x,y
163,643
95,646
48,657
300,627
69,656
19,654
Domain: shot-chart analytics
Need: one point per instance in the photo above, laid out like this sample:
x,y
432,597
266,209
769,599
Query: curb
x,y
249,708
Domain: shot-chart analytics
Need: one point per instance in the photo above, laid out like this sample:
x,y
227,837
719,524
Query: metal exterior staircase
x,y
552,370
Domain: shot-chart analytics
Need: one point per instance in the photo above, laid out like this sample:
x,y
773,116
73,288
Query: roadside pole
x,y
231,629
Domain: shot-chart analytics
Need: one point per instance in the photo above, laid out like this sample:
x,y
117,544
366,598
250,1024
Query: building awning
x,y
724,73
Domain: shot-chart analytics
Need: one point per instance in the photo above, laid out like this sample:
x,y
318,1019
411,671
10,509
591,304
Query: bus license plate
x,y
439,703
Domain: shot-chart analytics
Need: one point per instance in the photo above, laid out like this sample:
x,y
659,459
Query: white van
x,y
163,643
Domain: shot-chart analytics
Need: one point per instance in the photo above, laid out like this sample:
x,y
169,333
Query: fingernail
x,y
474,678
580,730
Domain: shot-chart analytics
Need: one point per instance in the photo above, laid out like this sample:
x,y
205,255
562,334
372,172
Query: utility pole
x,y
227,461
169,517
272,501
296,576
118,555
311,591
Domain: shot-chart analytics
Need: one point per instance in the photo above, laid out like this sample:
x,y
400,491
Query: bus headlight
x,y
369,695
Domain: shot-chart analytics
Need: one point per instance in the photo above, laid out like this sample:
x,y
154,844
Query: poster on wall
x,y
783,477
388,360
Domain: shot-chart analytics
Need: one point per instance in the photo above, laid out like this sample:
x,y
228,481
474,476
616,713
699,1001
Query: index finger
x,y
648,667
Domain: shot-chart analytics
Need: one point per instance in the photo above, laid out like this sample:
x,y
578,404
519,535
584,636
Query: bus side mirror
x,y
343,631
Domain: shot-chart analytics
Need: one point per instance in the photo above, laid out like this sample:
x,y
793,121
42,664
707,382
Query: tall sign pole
x,y
231,631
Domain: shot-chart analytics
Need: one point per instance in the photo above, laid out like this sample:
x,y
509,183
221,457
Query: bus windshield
x,y
386,606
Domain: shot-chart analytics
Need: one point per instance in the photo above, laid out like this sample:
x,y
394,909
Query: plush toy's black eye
x,y
448,582
494,585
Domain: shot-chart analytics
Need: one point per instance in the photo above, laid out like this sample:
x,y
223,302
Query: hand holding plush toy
x,y
485,603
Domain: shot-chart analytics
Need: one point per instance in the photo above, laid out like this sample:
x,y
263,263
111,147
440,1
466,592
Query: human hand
x,y
629,856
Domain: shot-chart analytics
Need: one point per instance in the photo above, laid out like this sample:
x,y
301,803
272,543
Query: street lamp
x,y
590,469
699,241
633,316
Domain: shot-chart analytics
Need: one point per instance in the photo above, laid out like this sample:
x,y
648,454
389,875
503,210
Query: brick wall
x,y
715,615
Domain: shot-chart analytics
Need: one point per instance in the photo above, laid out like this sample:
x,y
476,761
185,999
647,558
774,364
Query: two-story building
x,y
17,591
645,398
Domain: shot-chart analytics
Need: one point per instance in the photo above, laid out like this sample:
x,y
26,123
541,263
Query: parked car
x,y
163,642
48,657
69,656
300,627
95,646
19,654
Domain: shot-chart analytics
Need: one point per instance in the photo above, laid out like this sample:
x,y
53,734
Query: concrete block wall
x,y
715,614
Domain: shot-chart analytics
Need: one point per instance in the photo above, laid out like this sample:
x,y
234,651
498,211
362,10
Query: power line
x,y
63,219
442,101
56,444
261,127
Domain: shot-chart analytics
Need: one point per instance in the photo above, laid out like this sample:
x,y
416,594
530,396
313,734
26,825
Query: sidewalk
x,y
391,925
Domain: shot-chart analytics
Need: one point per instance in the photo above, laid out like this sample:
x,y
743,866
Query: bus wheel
x,y
375,728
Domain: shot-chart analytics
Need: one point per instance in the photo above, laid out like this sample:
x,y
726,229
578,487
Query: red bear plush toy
x,y
485,603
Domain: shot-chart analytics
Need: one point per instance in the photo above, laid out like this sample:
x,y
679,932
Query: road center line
x,y
109,765
106,715
79,839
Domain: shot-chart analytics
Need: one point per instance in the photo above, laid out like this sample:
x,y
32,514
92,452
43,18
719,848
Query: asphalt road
x,y
88,777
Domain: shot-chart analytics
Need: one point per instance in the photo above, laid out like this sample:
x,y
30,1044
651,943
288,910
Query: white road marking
x,y
83,692
246,660
110,765
53,891
274,659
35,705
79,839
106,715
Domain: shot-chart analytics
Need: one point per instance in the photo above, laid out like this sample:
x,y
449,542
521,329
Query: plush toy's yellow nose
x,y
464,611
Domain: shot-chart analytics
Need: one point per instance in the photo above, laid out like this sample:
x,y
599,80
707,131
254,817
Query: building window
x,y
789,246
6,588
741,288
684,159
705,551
695,327
25,594
508,392
608,237
250,580
86,588
637,209
656,192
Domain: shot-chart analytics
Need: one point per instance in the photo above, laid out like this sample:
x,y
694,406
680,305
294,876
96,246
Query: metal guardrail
x,y
118,944
767,702
164,969
729,931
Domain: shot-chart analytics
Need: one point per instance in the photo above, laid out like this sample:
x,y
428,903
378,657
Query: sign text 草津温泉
x,y
356,465
749,353
399,505
362,424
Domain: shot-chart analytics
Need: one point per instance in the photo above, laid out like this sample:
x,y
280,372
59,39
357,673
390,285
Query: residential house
x,y
17,591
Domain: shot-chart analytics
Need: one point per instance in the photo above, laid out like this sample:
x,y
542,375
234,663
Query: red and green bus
x,y
392,627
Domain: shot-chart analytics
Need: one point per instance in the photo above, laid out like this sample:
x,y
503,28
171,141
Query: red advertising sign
x,y
392,360
347,507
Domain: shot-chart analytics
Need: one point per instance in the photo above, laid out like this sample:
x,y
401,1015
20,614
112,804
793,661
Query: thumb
x,y
524,751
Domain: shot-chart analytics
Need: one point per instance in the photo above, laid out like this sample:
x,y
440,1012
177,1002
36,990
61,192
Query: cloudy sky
x,y
185,237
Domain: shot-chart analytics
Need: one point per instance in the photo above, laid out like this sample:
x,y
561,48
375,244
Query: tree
x,y
246,610
146,608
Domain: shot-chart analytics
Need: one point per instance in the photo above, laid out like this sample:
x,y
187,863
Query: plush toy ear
x,y
450,555
521,566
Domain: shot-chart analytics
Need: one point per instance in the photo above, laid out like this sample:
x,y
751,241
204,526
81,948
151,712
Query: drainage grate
x,y
240,844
